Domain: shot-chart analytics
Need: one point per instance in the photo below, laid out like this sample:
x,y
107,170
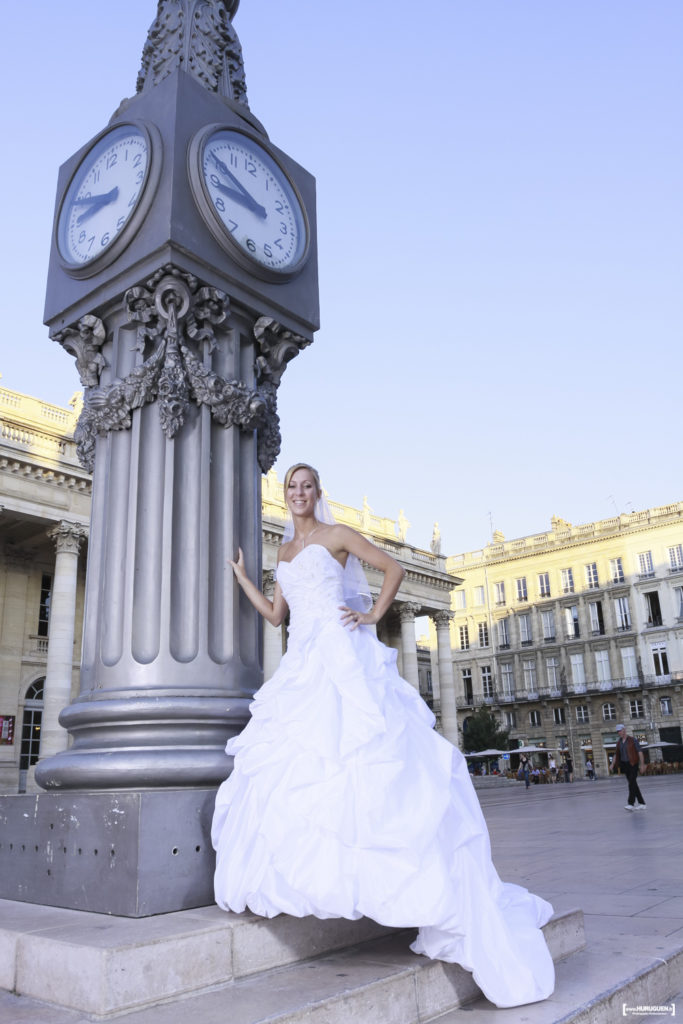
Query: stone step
x,y
106,966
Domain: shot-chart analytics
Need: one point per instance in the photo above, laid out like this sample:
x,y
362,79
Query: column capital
x,y
68,536
441,618
408,610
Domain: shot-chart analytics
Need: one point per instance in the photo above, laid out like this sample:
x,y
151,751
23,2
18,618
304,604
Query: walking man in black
x,y
629,758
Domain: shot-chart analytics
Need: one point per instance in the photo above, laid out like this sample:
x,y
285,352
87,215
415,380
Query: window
x,y
44,607
616,570
567,581
510,719
597,621
582,715
460,600
521,588
602,668
507,679
609,712
629,664
479,595
559,717
637,709
660,659
552,673
571,622
678,598
578,673
30,730
529,670
467,684
504,633
676,557
464,638
483,634
487,682
623,613
544,584
534,718
525,629
592,576
666,706
499,591
653,608
645,565
548,620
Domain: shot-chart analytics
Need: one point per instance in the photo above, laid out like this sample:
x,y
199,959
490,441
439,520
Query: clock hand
x,y
245,198
96,203
242,197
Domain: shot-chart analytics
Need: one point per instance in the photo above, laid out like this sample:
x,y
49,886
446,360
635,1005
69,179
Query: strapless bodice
x,y
312,584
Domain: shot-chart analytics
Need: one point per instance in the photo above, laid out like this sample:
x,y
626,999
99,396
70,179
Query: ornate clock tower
x,y
183,278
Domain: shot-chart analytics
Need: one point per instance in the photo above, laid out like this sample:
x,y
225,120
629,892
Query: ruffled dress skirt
x,y
344,802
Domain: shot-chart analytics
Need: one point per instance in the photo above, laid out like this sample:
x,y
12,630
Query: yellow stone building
x,y
567,633
45,500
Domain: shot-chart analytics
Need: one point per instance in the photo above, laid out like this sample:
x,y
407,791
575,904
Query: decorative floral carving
x,y
83,342
173,311
276,346
68,536
196,36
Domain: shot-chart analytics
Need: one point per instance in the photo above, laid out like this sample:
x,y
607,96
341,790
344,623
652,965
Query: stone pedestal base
x,y
131,854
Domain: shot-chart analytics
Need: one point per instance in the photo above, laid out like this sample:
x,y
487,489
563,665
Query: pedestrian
x,y
552,764
524,768
568,769
589,769
628,758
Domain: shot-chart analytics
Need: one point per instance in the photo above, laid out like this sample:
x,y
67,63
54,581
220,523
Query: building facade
x,y
568,633
45,500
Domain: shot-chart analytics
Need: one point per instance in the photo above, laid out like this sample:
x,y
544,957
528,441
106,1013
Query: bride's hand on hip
x,y
353,619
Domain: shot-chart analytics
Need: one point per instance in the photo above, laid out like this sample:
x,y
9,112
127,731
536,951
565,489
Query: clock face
x,y
252,201
103,195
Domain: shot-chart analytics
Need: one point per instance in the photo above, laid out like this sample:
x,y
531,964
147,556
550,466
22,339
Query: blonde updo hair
x,y
303,465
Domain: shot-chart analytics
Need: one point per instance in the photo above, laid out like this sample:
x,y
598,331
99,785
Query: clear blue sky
x,y
500,200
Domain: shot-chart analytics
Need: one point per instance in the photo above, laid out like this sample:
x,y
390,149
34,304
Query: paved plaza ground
x,y
576,846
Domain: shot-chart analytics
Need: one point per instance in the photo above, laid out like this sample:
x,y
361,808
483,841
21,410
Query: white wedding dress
x,y
344,802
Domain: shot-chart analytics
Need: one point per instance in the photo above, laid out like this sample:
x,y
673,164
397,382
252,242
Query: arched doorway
x,y
30,730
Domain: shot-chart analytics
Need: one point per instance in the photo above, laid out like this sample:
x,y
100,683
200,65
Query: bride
x,y
343,800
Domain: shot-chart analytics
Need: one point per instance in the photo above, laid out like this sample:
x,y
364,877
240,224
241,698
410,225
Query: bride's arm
x,y
274,611
358,545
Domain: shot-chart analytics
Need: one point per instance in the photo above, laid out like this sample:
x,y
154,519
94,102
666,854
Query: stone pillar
x,y
60,648
272,635
407,613
449,717
180,420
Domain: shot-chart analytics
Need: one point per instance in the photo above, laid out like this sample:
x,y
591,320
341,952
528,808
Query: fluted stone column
x,y
179,419
449,718
60,650
272,635
407,613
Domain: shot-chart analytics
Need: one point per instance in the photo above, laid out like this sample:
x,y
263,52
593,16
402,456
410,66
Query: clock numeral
x,y
138,159
95,175
81,238
281,207
283,228
250,166
120,222
91,242
232,226
233,159
278,243
112,160
104,240
132,201
220,205
139,177
251,245
215,180
267,250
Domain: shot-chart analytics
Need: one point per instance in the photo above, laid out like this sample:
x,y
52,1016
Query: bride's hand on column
x,y
238,567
